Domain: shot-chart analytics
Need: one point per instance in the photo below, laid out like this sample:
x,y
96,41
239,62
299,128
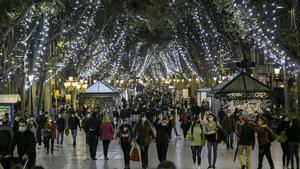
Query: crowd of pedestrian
x,y
152,117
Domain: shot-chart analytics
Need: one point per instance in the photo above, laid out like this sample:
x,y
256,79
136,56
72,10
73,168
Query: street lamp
x,y
277,71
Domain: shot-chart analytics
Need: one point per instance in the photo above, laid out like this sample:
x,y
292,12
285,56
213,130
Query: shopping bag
x,y
134,153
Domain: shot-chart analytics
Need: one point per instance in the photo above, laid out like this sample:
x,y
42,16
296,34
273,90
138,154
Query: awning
x,y
9,98
241,85
102,87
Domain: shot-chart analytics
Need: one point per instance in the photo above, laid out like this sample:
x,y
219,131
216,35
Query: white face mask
x,y
144,119
59,116
88,115
50,121
22,129
211,119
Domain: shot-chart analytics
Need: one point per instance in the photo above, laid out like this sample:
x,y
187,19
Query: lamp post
x,y
73,87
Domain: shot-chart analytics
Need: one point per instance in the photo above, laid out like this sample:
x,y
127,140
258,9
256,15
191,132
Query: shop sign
x,y
252,95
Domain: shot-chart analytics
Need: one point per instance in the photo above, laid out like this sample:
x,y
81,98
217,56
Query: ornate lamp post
x,y
73,87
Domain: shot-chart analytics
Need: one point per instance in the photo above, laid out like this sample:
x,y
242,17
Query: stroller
x,y
9,162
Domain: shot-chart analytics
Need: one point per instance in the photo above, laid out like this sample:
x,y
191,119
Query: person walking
x,y
106,132
60,126
196,136
162,127
212,140
247,141
229,125
281,131
92,129
293,136
264,142
144,136
185,121
24,140
74,124
50,133
125,136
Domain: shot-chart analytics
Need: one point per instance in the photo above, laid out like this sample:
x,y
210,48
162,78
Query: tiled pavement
x,y
67,157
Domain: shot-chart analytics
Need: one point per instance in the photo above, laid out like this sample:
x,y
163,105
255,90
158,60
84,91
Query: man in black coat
x,y
92,127
74,123
24,139
60,126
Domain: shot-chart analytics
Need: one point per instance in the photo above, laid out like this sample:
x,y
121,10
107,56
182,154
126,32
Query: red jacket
x,y
106,131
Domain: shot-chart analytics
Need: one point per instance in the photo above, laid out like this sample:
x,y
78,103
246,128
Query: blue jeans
x,y
212,146
74,135
60,136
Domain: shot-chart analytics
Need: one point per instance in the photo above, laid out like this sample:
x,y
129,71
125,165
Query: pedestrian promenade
x,y
67,157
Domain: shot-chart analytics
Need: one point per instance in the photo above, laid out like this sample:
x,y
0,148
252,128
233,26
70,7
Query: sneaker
x,y
243,167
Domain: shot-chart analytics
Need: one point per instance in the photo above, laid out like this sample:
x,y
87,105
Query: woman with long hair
x,y
106,134
144,136
196,136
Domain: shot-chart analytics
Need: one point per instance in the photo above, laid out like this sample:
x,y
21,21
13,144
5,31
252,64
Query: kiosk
x,y
241,91
8,105
100,94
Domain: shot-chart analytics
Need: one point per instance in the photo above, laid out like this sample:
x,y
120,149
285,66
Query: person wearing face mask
x,y
264,142
162,127
24,140
196,136
229,126
32,126
125,137
92,127
61,126
144,135
283,140
50,133
212,140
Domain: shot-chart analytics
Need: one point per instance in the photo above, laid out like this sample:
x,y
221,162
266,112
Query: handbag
x,y
134,153
282,138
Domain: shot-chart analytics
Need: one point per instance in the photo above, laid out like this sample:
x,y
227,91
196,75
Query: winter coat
x,y
61,124
25,144
51,128
293,134
144,133
162,132
74,123
246,134
106,131
228,123
125,136
262,134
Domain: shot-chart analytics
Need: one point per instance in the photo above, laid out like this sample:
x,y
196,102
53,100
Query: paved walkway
x,y
67,157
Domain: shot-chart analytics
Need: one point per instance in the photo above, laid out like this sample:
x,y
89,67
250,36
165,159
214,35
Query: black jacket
x,y
162,132
25,143
293,134
61,124
6,135
74,123
247,134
